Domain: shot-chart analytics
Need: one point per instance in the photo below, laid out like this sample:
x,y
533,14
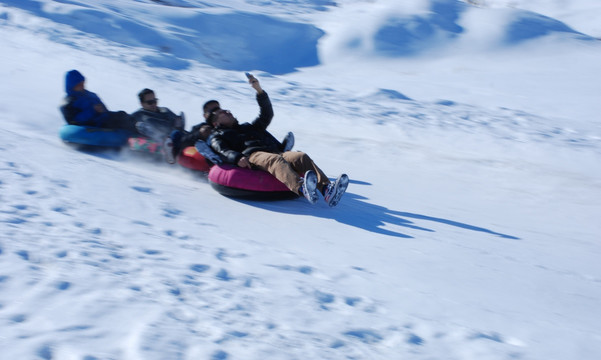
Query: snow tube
x,y
144,145
192,159
94,136
233,181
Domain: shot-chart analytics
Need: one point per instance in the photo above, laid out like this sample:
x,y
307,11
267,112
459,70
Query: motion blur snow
x,y
469,230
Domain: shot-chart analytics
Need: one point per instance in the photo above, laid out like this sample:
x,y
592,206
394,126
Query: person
x,y
83,107
156,122
198,136
249,145
287,143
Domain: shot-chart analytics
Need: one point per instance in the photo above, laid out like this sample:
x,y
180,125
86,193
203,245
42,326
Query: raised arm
x,y
266,110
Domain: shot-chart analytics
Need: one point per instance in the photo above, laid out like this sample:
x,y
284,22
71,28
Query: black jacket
x,y
244,139
163,121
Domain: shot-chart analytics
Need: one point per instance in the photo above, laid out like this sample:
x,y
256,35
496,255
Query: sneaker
x,y
335,190
309,187
288,142
169,150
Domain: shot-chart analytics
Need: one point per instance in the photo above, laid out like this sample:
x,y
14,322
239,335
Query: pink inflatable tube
x,y
234,181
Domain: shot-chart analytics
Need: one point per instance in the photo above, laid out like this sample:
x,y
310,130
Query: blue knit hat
x,y
73,78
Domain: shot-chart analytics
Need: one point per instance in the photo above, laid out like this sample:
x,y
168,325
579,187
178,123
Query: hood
x,y
72,78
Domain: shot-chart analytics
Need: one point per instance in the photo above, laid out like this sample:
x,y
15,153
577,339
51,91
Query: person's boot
x,y
335,190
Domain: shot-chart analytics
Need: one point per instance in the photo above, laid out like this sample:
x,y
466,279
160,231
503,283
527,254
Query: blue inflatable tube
x,y
94,136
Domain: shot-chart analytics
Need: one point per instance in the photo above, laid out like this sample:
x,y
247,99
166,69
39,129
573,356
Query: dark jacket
x,y
78,107
164,121
244,139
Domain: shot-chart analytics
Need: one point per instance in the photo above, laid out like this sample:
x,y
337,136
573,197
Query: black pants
x,y
120,120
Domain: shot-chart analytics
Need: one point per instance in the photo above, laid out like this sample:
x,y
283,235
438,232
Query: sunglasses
x,y
151,102
220,111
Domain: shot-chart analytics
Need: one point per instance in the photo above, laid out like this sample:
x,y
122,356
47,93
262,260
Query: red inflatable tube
x,y
192,159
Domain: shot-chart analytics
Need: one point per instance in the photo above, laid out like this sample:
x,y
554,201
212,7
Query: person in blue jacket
x,y
83,107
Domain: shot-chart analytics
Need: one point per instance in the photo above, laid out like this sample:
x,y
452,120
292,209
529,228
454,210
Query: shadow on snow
x,y
353,211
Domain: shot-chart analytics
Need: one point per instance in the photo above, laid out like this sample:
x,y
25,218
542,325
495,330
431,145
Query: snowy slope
x,y
469,231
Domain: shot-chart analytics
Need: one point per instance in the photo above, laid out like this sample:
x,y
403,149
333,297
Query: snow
x,y
470,229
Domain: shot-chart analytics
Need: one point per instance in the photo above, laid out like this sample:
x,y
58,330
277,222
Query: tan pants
x,y
288,167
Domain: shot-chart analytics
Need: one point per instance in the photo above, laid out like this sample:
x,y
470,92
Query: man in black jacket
x,y
251,146
199,134
154,121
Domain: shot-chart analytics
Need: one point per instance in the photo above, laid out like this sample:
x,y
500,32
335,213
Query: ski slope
x,y
469,230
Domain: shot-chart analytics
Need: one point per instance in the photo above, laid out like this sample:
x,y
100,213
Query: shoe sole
x,y
288,142
340,185
312,177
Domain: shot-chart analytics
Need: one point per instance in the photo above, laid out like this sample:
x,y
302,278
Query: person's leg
x,y
301,163
156,129
152,131
120,120
277,166
172,145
